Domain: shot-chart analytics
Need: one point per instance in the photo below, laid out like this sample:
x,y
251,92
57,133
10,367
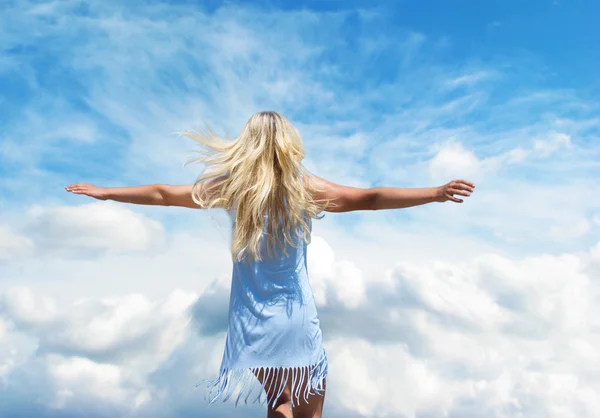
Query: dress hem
x,y
230,378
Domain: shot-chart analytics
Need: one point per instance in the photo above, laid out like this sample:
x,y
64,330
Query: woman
x,y
274,335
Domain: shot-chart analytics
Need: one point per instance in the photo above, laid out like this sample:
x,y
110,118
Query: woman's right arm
x,y
151,194
348,199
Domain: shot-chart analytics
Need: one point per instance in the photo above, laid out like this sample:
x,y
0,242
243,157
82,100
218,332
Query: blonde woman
x,y
273,352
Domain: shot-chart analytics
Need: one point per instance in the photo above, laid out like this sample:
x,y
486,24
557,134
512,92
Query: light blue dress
x,y
273,326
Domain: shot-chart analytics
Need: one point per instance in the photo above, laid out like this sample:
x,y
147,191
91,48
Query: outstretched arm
x,y
152,194
348,199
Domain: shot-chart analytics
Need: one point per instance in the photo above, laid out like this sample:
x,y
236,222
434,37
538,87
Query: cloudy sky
x,y
490,308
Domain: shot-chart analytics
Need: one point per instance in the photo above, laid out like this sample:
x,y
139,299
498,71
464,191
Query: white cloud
x,y
452,161
98,226
490,334
95,350
568,232
545,147
470,79
12,244
392,382
190,259
524,336
24,307
595,252
334,281
77,377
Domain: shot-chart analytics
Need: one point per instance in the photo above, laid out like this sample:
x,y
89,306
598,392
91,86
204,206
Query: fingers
x,y
460,192
454,199
459,187
77,188
466,183
462,185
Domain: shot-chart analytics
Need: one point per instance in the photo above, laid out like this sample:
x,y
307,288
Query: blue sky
x,y
407,94
496,76
560,34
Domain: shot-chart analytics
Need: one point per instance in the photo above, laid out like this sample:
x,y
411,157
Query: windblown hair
x,y
261,173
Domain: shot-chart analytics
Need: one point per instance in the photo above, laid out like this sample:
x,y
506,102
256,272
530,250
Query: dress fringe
x,y
229,379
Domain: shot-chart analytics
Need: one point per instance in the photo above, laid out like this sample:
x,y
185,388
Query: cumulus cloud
x,y
93,227
94,350
12,244
333,281
490,335
27,309
453,161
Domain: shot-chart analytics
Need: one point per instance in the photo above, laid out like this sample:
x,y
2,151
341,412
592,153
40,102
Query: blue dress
x,y
273,328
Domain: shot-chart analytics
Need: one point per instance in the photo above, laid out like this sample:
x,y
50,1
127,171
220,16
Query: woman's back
x,y
273,325
276,274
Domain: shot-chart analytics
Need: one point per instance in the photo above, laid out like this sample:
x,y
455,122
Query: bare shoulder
x,y
341,198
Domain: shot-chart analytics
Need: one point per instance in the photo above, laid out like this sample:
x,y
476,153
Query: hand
x,y
88,190
460,187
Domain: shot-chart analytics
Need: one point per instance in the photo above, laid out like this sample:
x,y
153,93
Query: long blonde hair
x,y
260,172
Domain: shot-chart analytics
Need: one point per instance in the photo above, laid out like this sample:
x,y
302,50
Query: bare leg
x,y
313,408
282,408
